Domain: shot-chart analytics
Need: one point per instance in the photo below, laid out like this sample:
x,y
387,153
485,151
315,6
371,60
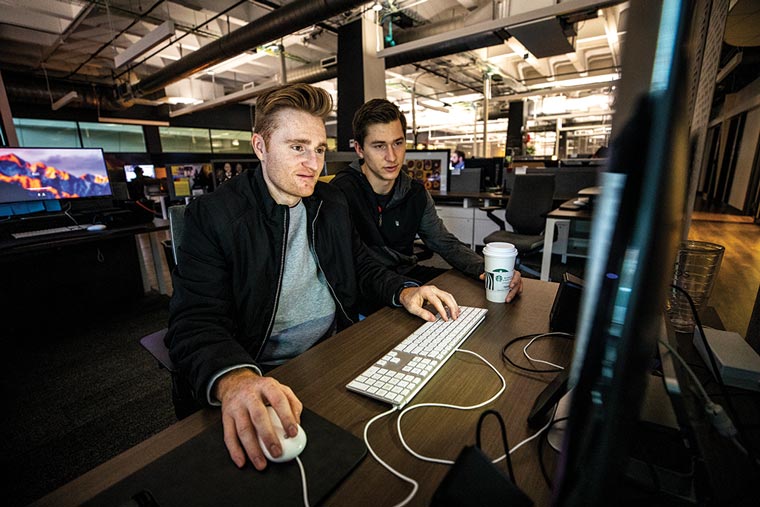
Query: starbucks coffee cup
x,y
500,266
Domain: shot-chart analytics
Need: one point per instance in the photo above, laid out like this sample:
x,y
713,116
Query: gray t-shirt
x,y
306,309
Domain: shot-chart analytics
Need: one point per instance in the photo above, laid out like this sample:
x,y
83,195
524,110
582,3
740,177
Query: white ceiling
x,y
77,41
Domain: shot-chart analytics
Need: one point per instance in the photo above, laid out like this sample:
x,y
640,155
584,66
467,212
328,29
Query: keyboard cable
x,y
415,484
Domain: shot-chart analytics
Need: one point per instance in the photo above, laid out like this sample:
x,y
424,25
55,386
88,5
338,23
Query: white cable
x,y
415,485
445,405
688,369
532,437
303,482
525,349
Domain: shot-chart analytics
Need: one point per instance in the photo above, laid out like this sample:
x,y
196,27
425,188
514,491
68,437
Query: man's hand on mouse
x,y
244,395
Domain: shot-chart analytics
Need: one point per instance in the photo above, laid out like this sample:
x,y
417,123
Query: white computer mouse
x,y
96,227
291,446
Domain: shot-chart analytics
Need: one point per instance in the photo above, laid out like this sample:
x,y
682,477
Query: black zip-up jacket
x,y
390,233
229,273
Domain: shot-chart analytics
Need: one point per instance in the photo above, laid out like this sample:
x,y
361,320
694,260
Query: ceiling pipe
x,y
287,19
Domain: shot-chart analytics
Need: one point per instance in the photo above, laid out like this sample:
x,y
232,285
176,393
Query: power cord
x,y
717,415
533,337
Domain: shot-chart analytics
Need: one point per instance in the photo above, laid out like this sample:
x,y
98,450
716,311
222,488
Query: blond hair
x,y
298,96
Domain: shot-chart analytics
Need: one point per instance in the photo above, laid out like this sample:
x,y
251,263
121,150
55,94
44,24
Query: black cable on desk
x,y
506,358
713,363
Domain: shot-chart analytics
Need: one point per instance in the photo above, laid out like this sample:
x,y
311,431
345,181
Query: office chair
x,y
531,199
184,403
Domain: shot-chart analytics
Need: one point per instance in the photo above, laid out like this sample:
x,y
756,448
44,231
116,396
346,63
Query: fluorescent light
x,y
65,100
145,44
603,78
132,121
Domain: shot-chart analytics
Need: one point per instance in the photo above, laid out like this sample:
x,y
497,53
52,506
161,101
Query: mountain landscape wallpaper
x,y
38,174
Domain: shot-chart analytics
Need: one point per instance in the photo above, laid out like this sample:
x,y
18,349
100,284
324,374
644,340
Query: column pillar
x,y
361,75
6,118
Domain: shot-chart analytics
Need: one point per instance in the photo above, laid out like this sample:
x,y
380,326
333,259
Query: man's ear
x,y
358,149
259,146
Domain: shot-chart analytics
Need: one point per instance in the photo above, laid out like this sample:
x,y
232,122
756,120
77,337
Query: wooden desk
x,y
561,219
319,377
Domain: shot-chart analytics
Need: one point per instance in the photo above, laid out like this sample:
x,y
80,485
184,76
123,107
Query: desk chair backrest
x,y
176,226
532,198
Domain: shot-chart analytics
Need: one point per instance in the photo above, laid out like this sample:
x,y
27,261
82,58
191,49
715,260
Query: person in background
x,y
457,159
390,209
270,264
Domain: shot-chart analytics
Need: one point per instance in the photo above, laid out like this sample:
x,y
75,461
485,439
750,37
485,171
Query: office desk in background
x,y
319,377
80,271
560,219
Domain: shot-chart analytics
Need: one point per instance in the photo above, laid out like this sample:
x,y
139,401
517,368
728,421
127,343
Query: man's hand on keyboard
x,y
515,286
414,297
244,395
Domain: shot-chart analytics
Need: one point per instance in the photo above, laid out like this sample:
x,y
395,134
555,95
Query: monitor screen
x,y
187,180
430,167
39,174
131,171
636,228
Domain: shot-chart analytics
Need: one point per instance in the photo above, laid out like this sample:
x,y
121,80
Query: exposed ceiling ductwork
x,y
279,23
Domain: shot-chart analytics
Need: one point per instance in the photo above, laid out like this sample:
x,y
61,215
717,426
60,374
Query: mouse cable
x,y
543,335
445,405
303,482
415,484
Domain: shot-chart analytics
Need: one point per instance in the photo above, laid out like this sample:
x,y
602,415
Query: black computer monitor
x,y
492,169
636,229
467,179
148,170
40,174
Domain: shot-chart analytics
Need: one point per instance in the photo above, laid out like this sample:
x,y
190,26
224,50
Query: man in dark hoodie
x,y
390,209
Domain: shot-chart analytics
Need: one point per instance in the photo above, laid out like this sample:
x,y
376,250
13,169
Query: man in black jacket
x,y
268,265
390,209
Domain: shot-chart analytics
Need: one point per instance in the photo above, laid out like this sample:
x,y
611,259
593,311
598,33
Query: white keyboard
x,y
44,232
399,375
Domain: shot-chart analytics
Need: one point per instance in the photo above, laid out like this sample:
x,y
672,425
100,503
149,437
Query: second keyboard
x,y
399,375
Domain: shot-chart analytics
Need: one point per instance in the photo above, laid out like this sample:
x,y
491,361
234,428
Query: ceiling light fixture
x,y
145,44
377,6
64,100
132,121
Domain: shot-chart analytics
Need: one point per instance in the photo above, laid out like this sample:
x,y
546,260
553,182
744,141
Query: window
x,y
112,137
184,140
47,133
231,141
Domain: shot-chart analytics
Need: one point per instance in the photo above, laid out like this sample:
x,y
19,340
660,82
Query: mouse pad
x,y
200,472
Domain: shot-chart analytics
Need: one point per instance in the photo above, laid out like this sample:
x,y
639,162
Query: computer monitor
x,y
467,179
41,174
429,167
491,171
336,161
148,171
188,180
636,229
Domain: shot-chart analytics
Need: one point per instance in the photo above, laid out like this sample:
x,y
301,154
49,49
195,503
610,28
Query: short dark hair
x,y
372,112
299,96
459,154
